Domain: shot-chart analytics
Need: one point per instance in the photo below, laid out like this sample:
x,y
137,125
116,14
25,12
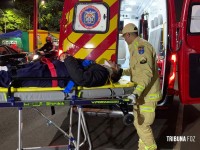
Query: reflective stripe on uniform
x,y
157,96
140,141
152,147
147,109
139,88
136,45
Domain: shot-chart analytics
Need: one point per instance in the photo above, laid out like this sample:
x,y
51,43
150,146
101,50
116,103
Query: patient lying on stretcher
x,y
82,72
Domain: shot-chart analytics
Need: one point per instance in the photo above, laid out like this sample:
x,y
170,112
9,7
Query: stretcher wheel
x,y
128,119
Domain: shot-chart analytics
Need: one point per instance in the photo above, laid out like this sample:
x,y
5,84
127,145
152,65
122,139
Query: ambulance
x,y
90,29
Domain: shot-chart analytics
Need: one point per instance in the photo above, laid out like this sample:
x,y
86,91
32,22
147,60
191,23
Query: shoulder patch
x,y
141,50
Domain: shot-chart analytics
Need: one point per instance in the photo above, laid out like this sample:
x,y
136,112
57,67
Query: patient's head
x,y
113,69
116,75
63,56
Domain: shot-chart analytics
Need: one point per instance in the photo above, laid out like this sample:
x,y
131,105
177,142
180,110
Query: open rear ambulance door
x,y
169,69
189,53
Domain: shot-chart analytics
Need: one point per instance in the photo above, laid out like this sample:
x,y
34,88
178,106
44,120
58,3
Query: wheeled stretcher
x,y
113,94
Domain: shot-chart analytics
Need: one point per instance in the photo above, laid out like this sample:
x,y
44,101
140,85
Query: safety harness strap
x,y
52,70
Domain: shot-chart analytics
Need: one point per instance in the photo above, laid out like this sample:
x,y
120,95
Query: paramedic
x,y
48,46
81,72
144,73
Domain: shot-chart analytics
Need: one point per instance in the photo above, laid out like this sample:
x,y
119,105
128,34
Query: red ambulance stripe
x,y
82,41
105,44
97,0
66,9
86,37
69,29
64,35
114,10
72,4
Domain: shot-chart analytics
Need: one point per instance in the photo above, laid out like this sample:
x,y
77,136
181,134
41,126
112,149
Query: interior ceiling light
x,y
128,9
154,4
132,3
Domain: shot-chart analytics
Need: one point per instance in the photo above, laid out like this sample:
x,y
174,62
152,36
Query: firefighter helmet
x,y
49,39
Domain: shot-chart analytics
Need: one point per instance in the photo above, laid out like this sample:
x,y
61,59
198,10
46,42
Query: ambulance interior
x,y
150,16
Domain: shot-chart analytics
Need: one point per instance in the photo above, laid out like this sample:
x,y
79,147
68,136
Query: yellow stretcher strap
x,y
79,94
111,83
5,96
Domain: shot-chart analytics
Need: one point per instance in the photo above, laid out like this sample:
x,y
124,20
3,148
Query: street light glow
x,y
42,2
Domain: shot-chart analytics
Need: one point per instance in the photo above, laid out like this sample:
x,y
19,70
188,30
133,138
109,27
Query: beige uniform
x,y
144,73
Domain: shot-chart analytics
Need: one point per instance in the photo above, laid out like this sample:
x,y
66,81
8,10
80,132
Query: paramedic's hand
x,y
133,98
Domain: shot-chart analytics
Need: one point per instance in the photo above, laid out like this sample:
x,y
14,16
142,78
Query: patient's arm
x,y
95,75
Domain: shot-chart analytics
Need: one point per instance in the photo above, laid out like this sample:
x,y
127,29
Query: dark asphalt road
x,y
106,133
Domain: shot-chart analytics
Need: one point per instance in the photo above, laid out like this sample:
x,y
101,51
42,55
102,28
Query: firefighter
x,y
144,73
48,46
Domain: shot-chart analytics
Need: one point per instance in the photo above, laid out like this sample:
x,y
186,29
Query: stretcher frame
x,y
73,143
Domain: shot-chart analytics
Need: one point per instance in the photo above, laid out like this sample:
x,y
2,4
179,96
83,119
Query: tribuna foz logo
x,y
180,138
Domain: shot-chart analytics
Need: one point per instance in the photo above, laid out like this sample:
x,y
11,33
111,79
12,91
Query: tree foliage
x,y
50,15
13,19
21,17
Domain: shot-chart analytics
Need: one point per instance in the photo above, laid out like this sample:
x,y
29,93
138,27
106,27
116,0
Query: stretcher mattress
x,y
41,94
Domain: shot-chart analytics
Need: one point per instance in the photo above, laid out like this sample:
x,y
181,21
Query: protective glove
x,y
133,98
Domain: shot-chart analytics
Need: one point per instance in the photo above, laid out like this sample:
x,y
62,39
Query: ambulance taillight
x,y
173,71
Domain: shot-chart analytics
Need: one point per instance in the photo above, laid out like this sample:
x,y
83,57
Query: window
x,y
91,17
195,19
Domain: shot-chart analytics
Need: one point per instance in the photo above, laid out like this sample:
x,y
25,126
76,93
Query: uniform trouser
x,y
143,119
